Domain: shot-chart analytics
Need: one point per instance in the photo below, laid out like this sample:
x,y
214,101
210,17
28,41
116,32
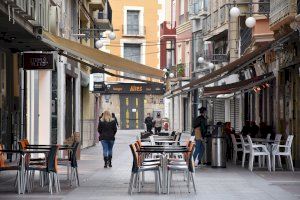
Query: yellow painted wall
x,y
151,9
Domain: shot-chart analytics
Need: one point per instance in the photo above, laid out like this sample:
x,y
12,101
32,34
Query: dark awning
x,y
238,86
230,68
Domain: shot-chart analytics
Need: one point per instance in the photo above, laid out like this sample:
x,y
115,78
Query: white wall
x,y
44,119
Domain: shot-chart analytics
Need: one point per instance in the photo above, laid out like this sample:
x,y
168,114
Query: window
x,y
132,52
181,7
133,22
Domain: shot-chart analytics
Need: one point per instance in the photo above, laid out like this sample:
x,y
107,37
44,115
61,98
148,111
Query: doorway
x,y
132,111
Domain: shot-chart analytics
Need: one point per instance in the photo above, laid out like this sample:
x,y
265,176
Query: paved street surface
x,y
232,183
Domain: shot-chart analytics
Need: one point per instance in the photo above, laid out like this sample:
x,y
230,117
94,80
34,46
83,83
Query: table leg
x,y
164,173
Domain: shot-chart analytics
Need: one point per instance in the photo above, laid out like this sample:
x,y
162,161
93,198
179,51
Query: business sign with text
x,y
37,61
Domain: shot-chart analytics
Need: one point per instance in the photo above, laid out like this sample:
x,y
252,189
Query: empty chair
x,y
246,149
137,168
258,150
237,146
187,167
286,151
268,136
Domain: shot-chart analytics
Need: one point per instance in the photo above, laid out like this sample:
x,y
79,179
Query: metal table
x,y
163,150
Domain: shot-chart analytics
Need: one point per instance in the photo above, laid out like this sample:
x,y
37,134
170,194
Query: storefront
x,y
132,101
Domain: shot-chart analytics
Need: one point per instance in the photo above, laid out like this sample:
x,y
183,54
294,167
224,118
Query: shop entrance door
x,y
132,111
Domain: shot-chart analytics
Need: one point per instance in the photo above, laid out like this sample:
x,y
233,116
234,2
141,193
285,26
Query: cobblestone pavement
x,y
232,183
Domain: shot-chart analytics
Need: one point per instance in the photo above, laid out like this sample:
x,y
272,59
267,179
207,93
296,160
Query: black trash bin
x,y
218,147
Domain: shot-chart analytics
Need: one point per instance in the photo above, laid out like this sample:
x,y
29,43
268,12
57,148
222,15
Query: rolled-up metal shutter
x,y
219,111
235,113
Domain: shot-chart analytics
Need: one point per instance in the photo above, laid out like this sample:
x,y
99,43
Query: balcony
x,y
216,58
215,17
104,18
167,28
282,12
133,31
36,12
264,8
206,25
246,38
96,5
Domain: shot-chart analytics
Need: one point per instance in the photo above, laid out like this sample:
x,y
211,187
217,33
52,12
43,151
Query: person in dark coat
x,y
200,130
149,123
254,130
107,129
246,128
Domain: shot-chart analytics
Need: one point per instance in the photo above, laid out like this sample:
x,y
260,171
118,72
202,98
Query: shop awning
x,y
238,86
99,57
231,68
226,70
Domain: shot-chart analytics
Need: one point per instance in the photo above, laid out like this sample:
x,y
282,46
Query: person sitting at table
x,y
254,129
246,128
107,129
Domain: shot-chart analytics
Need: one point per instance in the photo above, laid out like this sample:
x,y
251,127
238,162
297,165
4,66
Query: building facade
x,y
137,25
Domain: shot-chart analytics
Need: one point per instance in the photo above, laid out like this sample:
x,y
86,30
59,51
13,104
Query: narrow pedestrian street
x,y
232,183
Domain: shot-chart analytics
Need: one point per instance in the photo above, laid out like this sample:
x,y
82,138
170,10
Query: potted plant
x,y
180,70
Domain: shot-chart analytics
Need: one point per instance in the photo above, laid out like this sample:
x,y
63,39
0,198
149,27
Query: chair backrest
x,y
250,142
135,163
288,143
268,136
234,141
73,153
52,159
151,137
190,157
2,157
243,141
277,138
192,138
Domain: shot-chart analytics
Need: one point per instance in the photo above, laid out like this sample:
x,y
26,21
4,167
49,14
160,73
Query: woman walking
x,y
107,129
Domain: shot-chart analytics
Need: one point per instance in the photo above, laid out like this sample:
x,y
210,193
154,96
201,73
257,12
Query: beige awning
x,y
99,57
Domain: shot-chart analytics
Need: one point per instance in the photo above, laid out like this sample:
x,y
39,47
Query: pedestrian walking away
x,y
107,130
157,123
200,129
149,122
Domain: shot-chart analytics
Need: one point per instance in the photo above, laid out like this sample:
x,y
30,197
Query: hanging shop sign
x,y
97,82
38,61
139,88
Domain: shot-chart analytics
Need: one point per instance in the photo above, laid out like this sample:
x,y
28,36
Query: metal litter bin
x,y
218,148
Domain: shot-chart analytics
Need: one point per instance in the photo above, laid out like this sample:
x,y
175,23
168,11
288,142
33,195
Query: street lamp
x,y
210,65
235,12
171,75
99,44
250,22
200,60
112,35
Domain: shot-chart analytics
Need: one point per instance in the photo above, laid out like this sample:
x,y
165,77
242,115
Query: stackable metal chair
x,y
137,167
186,166
50,169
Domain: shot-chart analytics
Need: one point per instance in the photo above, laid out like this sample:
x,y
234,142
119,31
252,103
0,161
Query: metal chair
x,y
187,167
137,168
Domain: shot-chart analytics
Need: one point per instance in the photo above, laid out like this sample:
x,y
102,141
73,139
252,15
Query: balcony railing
x,y
37,11
246,36
215,17
216,58
223,13
133,30
206,25
194,8
282,9
264,8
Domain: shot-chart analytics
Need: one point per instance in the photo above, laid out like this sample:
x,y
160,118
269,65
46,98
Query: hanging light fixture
x,y
165,70
250,22
112,35
99,44
234,12
200,60
210,65
171,75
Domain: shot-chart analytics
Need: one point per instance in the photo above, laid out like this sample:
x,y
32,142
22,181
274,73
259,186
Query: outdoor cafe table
x,y
21,189
163,150
31,149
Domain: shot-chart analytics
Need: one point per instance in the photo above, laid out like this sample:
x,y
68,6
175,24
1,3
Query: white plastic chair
x,y
236,147
287,152
258,150
246,149
152,141
268,136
